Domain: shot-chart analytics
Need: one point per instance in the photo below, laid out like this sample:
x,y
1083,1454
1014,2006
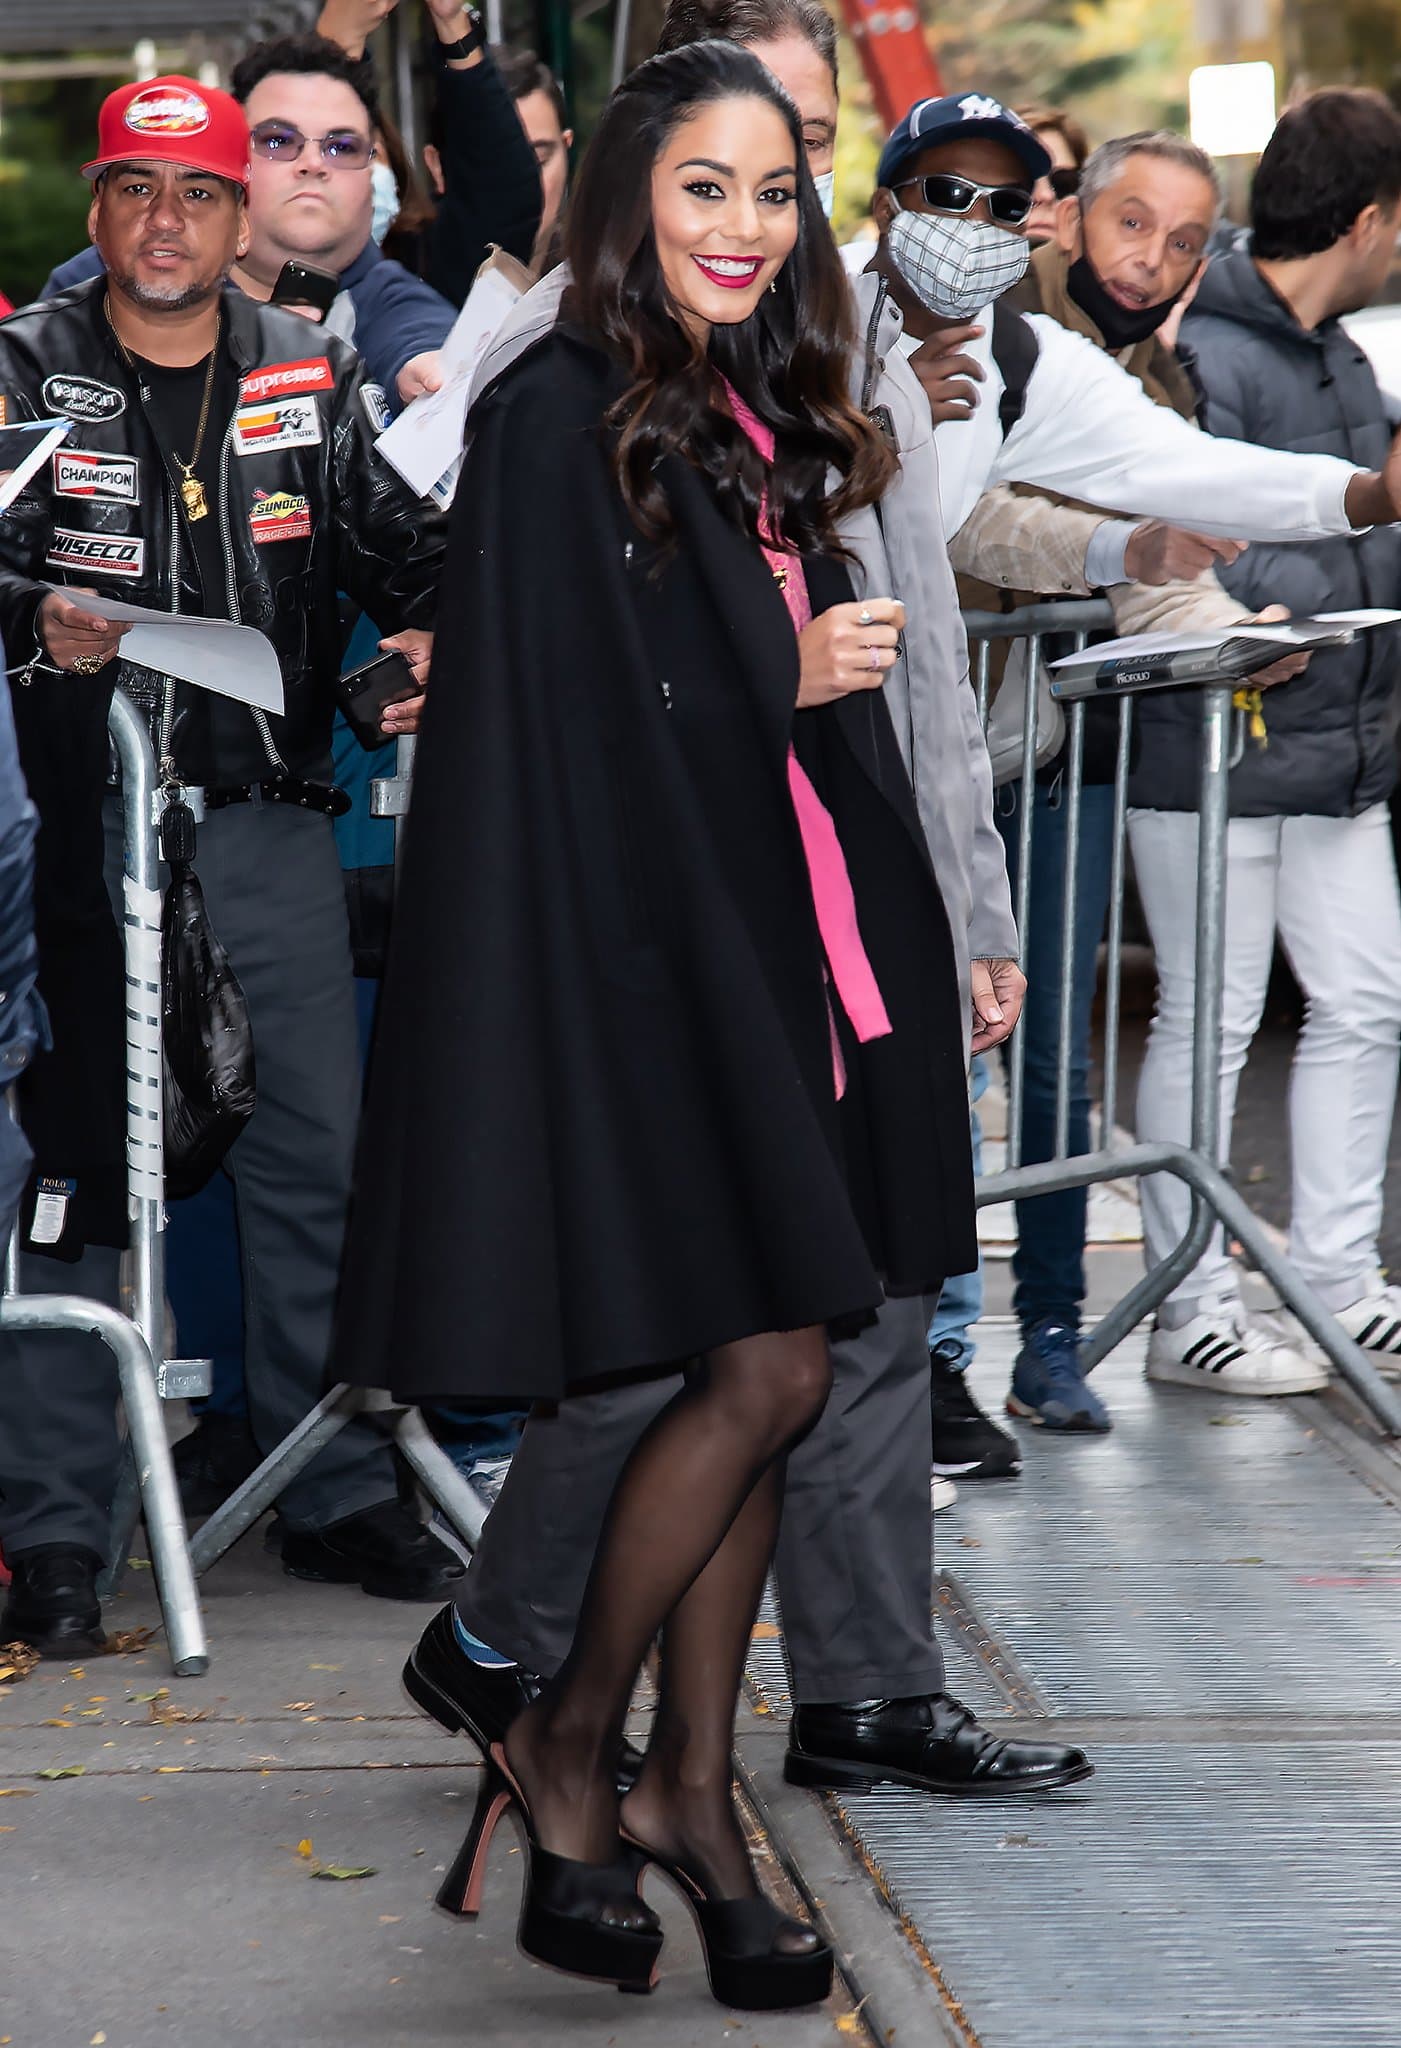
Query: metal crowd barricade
x,y
389,798
1198,1163
136,1341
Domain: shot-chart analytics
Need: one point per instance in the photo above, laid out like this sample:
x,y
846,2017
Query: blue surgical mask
x,y
826,183
384,202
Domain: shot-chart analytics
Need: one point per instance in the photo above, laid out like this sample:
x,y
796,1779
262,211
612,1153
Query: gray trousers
x,y
854,1563
273,888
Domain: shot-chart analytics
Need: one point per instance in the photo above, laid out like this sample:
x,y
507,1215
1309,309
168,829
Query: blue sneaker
x,y
1048,1385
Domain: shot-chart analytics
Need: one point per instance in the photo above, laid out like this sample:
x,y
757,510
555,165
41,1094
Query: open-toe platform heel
x,y
745,1967
561,1920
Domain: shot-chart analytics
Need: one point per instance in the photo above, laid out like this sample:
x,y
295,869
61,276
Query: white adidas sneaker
x,y
1374,1322
942,1493
1229,1351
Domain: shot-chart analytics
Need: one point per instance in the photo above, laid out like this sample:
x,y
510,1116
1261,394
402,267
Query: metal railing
x,y
136,1341
1198,1163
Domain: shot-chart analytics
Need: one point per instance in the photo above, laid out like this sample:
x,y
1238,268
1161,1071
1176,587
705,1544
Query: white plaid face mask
x,y
953,265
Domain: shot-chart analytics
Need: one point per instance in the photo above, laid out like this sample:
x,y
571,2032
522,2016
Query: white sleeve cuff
x,y
1104,557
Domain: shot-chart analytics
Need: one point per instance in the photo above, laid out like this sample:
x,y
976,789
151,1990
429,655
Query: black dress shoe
x,y
53,1603
479,1700
385,1550
933,1743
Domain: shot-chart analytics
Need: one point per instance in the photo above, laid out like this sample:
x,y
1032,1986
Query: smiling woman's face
x,y
725,210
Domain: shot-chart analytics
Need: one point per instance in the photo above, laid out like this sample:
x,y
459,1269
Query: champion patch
x,y
278,515
106,554
112,478
314,374
290,423
163,110
83,398
376,406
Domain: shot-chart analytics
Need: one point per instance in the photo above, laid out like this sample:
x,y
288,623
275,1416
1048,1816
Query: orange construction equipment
x,y
897,60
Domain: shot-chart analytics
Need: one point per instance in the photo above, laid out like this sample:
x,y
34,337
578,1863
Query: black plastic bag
x,y
208,1080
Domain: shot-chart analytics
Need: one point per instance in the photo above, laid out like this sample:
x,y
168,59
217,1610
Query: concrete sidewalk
x,y
160,1897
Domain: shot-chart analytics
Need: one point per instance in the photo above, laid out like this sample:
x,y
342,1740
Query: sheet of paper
x,y
24,449
425,441
235,661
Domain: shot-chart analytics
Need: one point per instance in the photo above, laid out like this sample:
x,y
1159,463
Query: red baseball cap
x,y
173,120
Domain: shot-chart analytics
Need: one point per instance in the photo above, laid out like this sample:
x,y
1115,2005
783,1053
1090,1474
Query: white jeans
x,y
1328,885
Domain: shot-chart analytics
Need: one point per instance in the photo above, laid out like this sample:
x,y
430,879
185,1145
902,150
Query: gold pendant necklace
x,y
192,492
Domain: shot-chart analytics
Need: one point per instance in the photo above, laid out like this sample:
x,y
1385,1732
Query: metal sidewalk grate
x,y
1245,1896
1209,1558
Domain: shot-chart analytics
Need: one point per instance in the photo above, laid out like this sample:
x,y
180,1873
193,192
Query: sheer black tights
x,y
688,1537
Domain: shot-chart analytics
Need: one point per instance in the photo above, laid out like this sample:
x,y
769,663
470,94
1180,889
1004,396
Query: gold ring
x,y
88,664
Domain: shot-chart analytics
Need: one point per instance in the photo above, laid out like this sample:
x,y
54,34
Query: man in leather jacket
x,y
221,462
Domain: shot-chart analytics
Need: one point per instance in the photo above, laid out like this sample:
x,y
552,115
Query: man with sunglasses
x,y
221,463
312,113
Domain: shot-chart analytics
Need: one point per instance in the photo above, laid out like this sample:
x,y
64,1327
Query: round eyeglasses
x,y
342,149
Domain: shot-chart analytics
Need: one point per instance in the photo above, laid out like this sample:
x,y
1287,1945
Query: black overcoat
x,y
602,1131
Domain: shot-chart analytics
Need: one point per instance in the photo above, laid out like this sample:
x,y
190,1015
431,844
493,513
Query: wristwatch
x,y
468,45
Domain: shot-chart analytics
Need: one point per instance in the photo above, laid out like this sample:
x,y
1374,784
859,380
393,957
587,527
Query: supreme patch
x,y
314,374
290,423
112,478
83,398
278,515
106,554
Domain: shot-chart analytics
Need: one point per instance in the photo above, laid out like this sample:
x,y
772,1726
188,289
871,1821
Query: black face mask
x,y
1120,327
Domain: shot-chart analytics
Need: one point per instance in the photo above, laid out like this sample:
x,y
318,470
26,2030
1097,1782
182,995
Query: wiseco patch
x,y
278,515
78,474
108,554
314,374
290,423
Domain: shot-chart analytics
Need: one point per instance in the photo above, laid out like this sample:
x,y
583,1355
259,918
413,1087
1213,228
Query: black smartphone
x,y
302,284
364,692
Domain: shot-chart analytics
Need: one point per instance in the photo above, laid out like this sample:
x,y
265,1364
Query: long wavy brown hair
x,y
790,360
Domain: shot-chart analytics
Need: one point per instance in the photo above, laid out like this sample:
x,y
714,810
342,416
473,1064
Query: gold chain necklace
x,y
192,492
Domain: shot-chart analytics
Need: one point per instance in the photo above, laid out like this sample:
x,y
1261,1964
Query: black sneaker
x,y
384,1550
53,1603
966,1444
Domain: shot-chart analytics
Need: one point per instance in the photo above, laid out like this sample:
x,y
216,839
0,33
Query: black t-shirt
x,y
218,741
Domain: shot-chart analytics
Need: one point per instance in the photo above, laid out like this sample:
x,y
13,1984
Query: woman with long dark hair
x,y
669,1038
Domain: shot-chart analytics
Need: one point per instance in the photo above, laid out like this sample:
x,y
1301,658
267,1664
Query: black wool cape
x,y
601,1132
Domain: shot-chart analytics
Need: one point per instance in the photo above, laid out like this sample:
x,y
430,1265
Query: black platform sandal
x,y
560,1922
738,1937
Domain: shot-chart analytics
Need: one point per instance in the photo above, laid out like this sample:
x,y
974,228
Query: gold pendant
x,y
196,504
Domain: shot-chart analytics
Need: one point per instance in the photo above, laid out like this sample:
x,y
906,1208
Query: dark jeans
x,y
1049,1264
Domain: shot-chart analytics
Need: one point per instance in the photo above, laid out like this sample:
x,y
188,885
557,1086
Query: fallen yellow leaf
x,y
55,1724
169,1770
17,1792
304,1847
342,1870
325,1667
6,1831
64,1771
97,2040
298,1706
